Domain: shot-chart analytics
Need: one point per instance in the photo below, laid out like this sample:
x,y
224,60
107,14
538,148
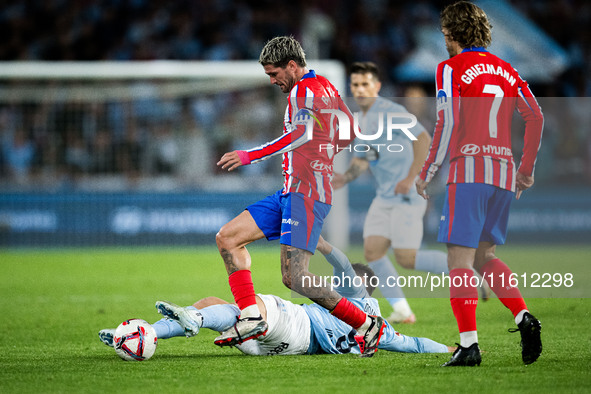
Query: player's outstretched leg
x,y
465,357
106,336
531,339
188,317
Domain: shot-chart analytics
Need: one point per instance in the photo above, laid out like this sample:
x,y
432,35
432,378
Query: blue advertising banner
x,y
116,219
194,218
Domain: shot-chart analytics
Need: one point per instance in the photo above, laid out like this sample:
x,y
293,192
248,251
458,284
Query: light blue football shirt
x,y
388,167
331,335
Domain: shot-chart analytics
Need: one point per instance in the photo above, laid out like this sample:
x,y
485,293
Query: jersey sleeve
x,y
292,138
531,112
344,273
447,113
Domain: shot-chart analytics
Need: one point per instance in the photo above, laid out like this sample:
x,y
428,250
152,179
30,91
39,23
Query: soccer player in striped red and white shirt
x,y
294,214
477,94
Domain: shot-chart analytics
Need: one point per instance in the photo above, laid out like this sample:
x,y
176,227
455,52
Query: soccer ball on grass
x,y
135,340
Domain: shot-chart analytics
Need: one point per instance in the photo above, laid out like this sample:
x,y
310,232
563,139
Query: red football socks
x,y
498,276
464,298
242,288
349,313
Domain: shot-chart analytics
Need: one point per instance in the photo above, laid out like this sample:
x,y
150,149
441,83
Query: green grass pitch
x,y
54,301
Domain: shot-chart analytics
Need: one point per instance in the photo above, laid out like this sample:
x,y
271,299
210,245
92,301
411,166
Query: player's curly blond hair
x,y
280,50
467,24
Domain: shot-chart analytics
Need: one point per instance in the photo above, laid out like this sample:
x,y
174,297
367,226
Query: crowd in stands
x,y
73,140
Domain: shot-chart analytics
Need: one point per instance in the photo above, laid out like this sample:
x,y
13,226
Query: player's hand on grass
x,y
233,160
422,188
338,180
404,186
522,182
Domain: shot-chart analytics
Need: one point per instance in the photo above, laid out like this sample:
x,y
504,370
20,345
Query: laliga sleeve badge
x,y
441,99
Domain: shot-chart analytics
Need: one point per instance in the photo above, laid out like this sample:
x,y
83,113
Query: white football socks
x,y
250,311
363,328
519,316
468,338
401,307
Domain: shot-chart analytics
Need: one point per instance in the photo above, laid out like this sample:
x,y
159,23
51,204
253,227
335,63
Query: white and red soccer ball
x,y
135,340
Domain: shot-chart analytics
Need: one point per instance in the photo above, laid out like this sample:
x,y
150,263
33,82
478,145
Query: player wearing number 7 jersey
x,y
477,94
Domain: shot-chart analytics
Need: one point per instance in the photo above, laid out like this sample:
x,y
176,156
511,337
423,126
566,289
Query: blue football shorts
x,y
473,213
292,218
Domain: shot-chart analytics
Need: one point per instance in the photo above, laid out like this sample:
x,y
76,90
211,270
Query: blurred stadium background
x,y
95,153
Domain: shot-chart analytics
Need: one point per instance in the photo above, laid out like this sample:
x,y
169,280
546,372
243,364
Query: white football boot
x,y
106,336
243,330
189,318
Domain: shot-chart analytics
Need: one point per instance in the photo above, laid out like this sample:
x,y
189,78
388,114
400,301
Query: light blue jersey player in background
x,y
395,217
293,329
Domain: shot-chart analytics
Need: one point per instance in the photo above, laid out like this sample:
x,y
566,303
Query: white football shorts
x,y
289,330
401,223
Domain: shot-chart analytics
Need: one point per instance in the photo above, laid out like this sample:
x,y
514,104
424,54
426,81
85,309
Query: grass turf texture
x,y
55,302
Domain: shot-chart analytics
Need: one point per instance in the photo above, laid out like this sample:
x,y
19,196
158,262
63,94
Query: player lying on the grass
x,y
293,329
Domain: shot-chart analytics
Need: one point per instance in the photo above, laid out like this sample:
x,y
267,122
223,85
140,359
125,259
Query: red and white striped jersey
x,y
477,94
307,163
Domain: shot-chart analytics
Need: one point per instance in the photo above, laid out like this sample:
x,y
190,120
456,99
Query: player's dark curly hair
x,y
364,270
280,50
365,68
467,24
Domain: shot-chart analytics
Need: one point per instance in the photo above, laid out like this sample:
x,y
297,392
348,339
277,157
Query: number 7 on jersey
x,y
494,110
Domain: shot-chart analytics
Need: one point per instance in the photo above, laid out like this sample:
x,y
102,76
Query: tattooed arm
x,y
357,167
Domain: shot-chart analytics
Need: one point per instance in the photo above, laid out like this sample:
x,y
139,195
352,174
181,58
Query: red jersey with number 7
x,y
477,94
